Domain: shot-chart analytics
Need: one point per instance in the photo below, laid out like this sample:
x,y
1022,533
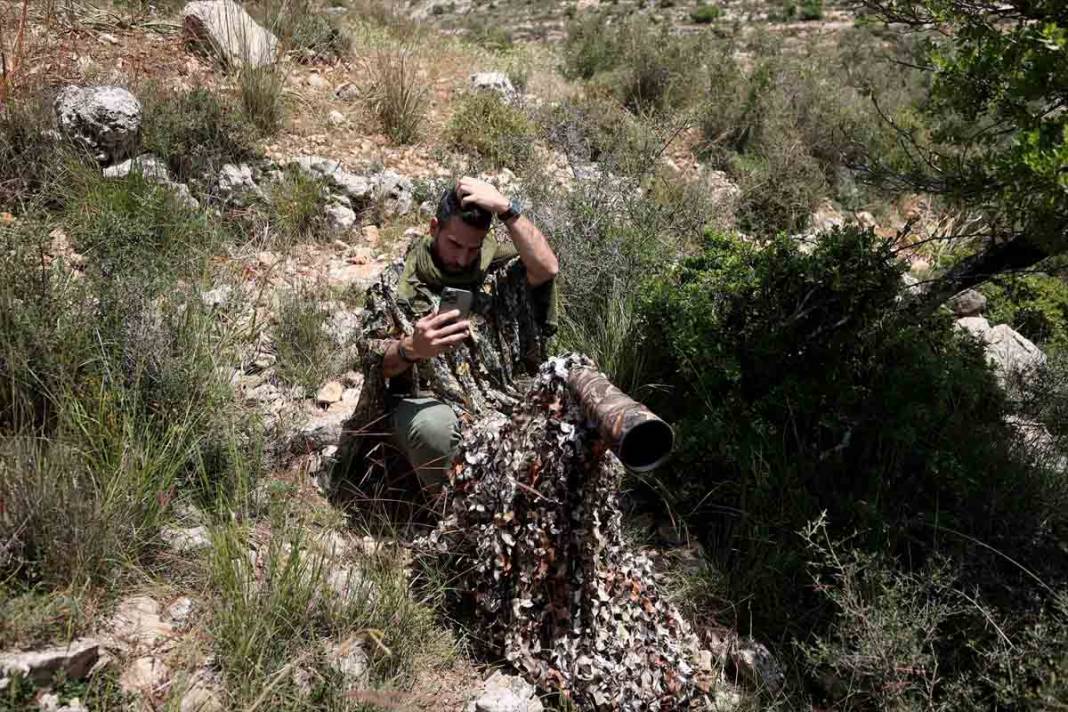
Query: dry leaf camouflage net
x,y
533,531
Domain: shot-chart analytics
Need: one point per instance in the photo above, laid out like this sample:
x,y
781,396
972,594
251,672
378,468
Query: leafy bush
x,y
317,37
1036,305
704,14
486,126
821,394
398,95
194,132
646,68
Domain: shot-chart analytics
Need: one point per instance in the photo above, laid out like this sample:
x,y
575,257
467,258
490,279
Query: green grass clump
x,y
486,126
296,208
30,160
1036,305
260,91
195,132
704,14
398,95
306,353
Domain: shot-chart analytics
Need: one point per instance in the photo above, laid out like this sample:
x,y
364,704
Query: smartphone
x,y
452,298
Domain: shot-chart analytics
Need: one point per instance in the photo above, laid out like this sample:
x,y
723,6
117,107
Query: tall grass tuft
x,y
260,90
398,94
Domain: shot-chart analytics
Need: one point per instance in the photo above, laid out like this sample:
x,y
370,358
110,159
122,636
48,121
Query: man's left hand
x,y
478,192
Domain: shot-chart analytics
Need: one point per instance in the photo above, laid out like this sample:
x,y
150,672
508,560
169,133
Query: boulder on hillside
x,y
495,82
229,33
153,170
106,120
968,303
1012,355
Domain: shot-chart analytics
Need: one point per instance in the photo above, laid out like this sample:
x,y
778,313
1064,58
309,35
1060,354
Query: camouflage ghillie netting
x,y
534,532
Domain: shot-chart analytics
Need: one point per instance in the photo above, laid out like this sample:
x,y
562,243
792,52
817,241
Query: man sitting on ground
x,y
427,370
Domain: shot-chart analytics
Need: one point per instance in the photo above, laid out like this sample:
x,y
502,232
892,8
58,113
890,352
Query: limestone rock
x,y
329,393
179,611
137,623
236,184
756,665
335,117
356,188
149,166
339,217
347,91
186,540
506,693
218,297
104,119
350,660
968,303
394,192
145,674
229,33
1012,355
495,82
39,666
202,694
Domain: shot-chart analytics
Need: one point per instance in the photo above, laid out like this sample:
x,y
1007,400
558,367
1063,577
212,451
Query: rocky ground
x,y
155,640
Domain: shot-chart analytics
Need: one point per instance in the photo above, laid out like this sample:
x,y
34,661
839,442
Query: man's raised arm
x,y
533,248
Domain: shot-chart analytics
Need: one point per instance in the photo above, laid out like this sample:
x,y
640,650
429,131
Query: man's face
x,y
456,244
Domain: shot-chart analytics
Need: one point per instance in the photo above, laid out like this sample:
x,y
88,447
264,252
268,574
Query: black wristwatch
x,y
511,213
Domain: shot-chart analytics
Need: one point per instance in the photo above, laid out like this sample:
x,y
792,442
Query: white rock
x,y
350,660
330,393
202,694
39,666
137,623
316,81
217,297
230,32
394,191
235,183
186,540
1012,355
149,166
347,91
145,675
339,217
356,188
335,117
506,693
968,303
104,119
179,611
495,82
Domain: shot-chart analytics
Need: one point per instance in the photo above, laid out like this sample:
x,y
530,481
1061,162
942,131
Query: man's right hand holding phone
x,y
437,332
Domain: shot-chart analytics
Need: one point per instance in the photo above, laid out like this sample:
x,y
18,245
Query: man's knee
x,y
435,429
428,431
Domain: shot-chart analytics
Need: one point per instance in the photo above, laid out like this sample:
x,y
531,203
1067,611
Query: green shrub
x,y
484,125
317,37
704,14
195,132
1036,305
821,394
811,10
647,68
30,159
296,208
398,95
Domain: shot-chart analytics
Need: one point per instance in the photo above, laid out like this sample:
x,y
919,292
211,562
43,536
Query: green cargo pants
x,y
427,432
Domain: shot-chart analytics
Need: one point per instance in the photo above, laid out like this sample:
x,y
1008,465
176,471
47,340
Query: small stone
x,y
235,184
202,695
335,117
495,82
267,259
179,611
329,393
316,81
218,297
145,674
755,663
186,540
350,660
351,395
351,379
339,217
48,702
347,91
371,234
968,303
